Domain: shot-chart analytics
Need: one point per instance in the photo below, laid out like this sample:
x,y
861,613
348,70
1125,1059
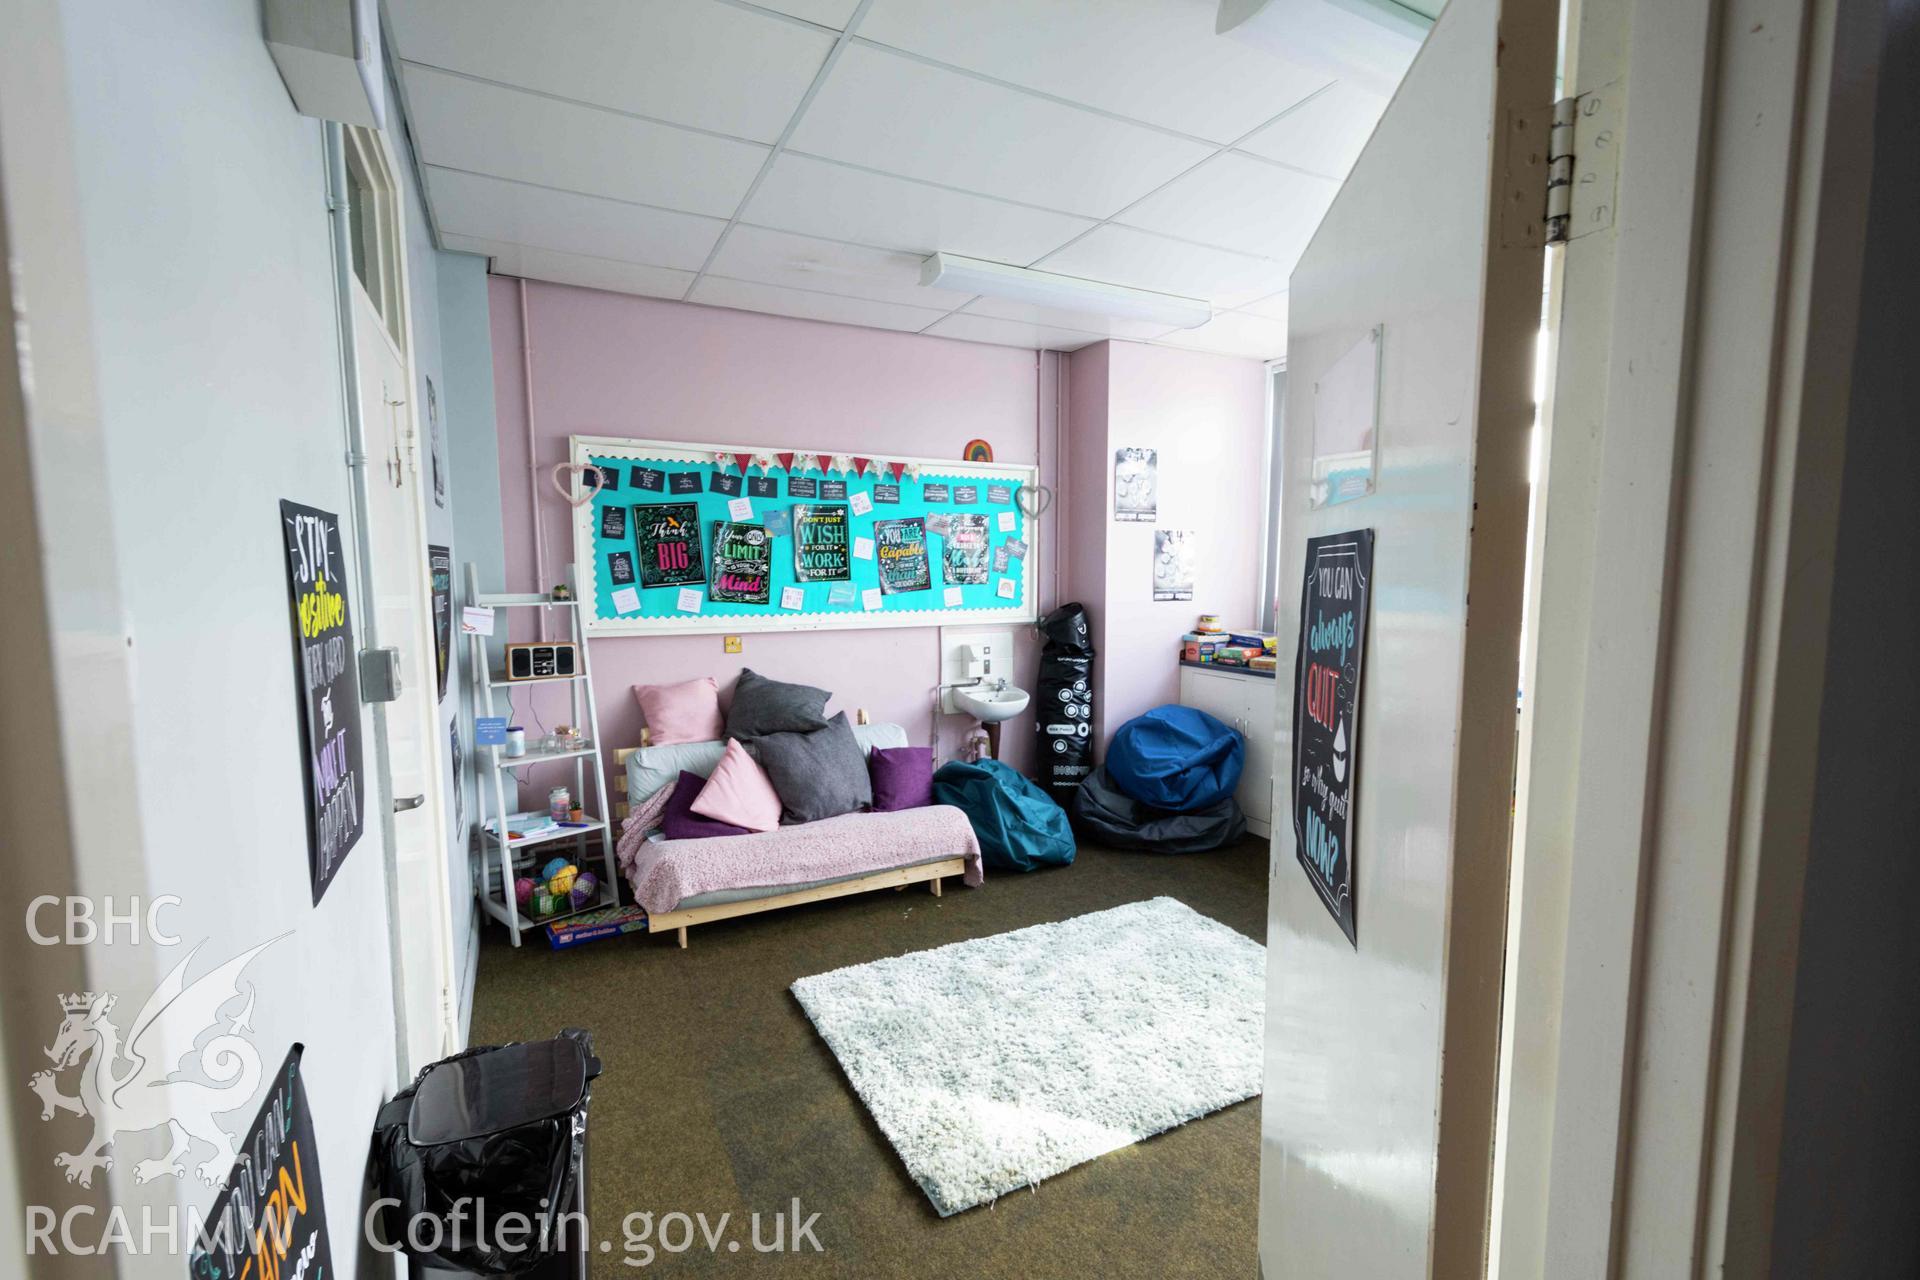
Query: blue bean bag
x,y
1176,758
1018,825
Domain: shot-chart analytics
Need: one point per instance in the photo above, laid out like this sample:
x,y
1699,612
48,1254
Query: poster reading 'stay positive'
x,y
1326,717
668,537
323,652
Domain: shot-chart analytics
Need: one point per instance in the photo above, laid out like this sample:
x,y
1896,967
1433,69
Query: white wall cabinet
x,y
1245,701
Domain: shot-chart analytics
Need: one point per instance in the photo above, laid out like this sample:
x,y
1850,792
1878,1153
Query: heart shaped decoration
x,y
1033,499
573,471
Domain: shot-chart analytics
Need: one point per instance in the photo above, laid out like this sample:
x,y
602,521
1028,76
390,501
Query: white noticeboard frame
x,y
582,448
1346,425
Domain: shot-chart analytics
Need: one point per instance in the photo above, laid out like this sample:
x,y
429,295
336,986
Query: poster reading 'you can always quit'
x,y
1326,716
323,664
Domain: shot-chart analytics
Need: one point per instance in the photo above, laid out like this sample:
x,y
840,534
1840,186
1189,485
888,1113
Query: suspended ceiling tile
x,y
1239,203
828,13
1011,333
743,295
1152,60
1057,318
493,209
464,124
822,198
825,266
572,268
892,113
691,62
1323,136
1122,255
1273,307
1233,333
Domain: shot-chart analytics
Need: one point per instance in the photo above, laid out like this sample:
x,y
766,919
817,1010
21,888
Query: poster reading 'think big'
x,y
1326,716
329,688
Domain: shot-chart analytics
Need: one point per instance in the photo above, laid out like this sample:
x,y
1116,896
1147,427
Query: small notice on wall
x,y
324,661
440,570
270,1219
1174,553
1326,716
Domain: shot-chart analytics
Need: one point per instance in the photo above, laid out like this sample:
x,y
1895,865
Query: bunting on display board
x,y
745,460
826,462
722,460
860,466
898,469
786,460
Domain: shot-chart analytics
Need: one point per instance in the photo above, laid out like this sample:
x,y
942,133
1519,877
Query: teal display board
x,y
681,539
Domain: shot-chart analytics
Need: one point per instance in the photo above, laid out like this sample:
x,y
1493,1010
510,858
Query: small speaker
x,y
556,660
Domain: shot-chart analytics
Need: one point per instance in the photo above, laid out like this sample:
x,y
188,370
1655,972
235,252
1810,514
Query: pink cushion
x,y
739,792
684,712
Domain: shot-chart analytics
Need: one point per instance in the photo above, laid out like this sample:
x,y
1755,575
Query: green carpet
x,y
718,1098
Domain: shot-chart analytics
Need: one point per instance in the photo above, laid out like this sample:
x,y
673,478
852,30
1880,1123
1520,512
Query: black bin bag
x,y
1063,712
494,1131
1104,814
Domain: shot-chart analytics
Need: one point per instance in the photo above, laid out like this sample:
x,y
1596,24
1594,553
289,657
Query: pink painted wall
x,y
615,365
1206,415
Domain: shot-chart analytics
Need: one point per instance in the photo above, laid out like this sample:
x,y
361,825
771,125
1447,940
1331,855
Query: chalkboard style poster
x,y
935,493
440,569
762,487
650,480
833,490
620,568
821,549
966,550
724,482
270,1219
668,534
1326,716
613,523
329,688
684,482
901,546
742,564
802,487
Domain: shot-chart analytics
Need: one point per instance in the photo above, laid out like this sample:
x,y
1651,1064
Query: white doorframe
x,y
394,305
1691,464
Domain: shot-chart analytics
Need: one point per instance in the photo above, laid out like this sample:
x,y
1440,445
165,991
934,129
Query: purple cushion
x,y
680,822
902,777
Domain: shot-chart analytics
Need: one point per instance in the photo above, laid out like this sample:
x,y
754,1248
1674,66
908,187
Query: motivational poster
x,y
668,535
965,556
802,487
326,671
999,494
822,545
683,482
887,493
613,523
620,568
833,490
935,493
440,574
270,1218
902,555
606,478
965,495
742,564
1136,485
650,480
1175,552
1334,598
762,487
725,483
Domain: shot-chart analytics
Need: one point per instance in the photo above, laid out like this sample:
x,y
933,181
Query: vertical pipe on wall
x,y
533,465
335,152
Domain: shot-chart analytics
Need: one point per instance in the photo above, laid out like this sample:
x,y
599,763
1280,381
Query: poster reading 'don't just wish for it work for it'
x,y
1334,597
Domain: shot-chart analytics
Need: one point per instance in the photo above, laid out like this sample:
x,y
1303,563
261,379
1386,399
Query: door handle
x,y
403,803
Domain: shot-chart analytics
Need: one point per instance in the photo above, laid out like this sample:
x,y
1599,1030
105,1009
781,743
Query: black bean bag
x,y
1107,815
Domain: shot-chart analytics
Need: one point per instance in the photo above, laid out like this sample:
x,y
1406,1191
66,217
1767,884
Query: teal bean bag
x,y
1018,825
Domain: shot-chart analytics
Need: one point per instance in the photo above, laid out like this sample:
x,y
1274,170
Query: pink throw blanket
x,y
664,873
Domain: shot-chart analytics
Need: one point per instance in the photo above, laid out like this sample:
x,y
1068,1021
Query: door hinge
x,y
1583,163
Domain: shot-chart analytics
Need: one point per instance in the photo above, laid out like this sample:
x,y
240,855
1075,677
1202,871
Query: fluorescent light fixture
x,y
1068,293
1370,42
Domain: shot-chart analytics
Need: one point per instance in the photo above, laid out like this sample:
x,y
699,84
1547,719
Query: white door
x,y
1382,1053
396,521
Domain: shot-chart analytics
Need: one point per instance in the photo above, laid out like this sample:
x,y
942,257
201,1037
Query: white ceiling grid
x,y
801,157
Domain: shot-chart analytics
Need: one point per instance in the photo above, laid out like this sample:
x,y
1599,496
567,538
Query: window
x,y
373,227
1270,568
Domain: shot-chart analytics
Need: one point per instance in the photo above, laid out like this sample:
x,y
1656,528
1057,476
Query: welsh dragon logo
x,y
145,1084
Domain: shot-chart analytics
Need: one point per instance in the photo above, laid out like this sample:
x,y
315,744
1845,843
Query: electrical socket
x,y
735,644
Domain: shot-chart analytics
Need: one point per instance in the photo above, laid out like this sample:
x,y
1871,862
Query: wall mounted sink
x,y
989,705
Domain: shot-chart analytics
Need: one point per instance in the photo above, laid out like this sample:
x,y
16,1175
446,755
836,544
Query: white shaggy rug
x,y
995,1063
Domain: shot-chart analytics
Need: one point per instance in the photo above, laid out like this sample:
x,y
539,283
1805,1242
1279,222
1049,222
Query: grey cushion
x,y
762,706
817,775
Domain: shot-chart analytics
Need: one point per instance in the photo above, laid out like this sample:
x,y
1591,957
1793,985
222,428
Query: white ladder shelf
x,y
502,856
